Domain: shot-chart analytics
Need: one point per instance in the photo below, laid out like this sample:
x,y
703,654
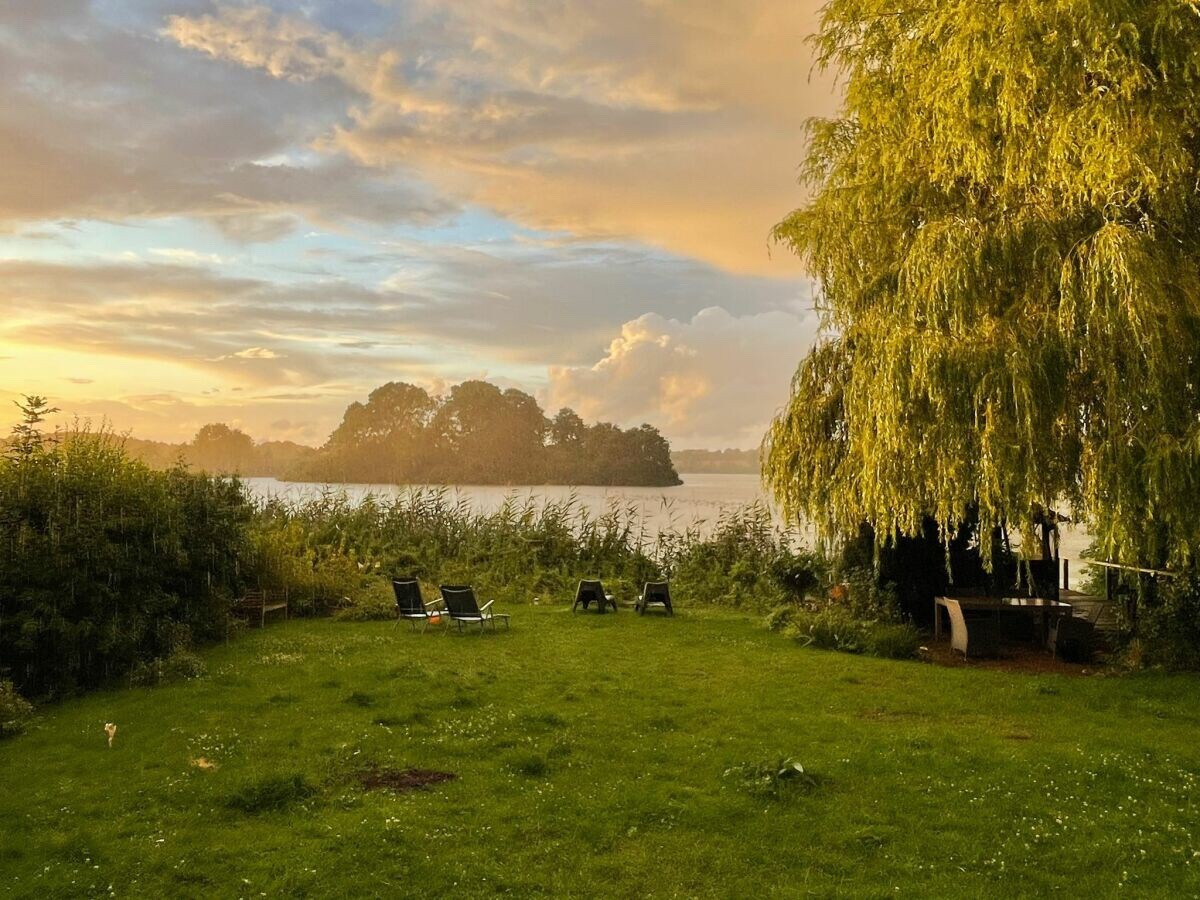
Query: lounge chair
x,y
655,593
463,608
409,605
973,635
590,592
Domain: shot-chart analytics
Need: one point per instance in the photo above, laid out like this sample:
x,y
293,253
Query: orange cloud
x,y
673,123
716,379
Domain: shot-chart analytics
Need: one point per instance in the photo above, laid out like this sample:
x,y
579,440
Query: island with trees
x,y
476,434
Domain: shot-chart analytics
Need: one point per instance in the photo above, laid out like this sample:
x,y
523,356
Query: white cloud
x,y
713,381
187,257
256,353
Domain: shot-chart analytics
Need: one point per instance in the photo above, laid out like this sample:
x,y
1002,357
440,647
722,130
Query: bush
x,y
181,665
1168,626
780,617
893,641
375,602
15,710
103,557
747,562
836,628
830,628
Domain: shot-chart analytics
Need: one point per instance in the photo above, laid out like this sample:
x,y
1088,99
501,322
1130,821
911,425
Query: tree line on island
x,y
476,434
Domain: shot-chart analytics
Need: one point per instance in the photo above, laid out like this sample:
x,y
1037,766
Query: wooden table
x,y
1031,605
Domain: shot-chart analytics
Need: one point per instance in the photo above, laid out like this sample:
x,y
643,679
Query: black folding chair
x,y
655,593
590,592
409,605
463,608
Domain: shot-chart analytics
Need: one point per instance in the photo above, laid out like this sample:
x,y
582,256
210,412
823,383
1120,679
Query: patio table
x,y
1034,606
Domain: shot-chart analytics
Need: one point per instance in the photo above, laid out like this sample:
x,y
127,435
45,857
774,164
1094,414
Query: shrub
x,y
836,628
770,779
893,640
15,710
831,628
747,562
375,602
103,557
781,616
1168,626
181,665
273,793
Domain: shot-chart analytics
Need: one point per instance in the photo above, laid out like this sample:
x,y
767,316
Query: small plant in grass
x,y
270,794
181,665
781,616
770,779
15,710
834,628
893,641
527,763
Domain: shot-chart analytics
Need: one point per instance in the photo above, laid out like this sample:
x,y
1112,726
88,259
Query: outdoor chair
x,y
409,605
1072,638
656,593
590,592
464,609
973,635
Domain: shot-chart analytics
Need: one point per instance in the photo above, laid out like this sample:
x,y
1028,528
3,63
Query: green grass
x,y
590,753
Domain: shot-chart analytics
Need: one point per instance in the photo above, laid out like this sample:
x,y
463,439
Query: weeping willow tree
x,y
1005,224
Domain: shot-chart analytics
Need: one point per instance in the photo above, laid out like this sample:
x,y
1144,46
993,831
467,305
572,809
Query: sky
x,y
255,213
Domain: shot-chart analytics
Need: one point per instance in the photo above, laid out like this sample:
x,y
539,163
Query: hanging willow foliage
x,y
1006,227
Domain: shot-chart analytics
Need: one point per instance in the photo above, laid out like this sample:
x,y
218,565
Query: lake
x,y
698,502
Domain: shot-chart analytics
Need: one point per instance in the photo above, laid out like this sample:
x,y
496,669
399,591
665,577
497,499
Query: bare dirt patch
x,y
401,780
1013,658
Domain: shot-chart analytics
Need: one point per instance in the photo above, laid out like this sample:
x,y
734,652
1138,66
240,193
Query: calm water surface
x,y
698,502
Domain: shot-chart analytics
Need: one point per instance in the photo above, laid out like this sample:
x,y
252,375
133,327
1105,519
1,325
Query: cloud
x,y
183,256
256,353
715,380
677,123
100,118
418,190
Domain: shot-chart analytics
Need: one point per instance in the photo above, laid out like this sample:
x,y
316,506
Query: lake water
x,y
698,502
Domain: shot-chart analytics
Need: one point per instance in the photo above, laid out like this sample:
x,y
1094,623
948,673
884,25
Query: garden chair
x,y
409,605
590,592
656,593
975,635
464,609
1073,638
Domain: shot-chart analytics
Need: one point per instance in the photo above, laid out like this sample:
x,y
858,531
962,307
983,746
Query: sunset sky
x,y
257,213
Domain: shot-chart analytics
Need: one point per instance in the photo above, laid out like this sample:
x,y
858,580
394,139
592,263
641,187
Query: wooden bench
x,y
260,603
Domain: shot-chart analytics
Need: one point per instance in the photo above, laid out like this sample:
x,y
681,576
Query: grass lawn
x,y
589,753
